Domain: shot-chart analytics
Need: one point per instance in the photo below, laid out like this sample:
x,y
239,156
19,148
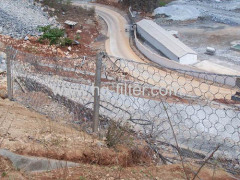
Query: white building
x,y
163,41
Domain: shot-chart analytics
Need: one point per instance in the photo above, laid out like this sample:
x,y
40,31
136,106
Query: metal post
x,y
238,82
97,86
9,78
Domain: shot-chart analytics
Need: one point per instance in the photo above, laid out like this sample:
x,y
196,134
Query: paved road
x,y
118,42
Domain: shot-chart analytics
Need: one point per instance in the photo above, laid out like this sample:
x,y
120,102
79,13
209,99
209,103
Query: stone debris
x,y
79,31
3,66
75,42
2,45
178,12
226,12
26,38
19,18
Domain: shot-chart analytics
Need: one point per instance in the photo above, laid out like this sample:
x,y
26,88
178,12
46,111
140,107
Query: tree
x,y
142,5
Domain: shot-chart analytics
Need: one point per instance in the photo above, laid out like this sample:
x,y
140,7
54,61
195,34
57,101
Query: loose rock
x,y
20,18
26,38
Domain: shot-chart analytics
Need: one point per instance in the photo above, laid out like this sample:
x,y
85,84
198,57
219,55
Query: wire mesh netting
x,y
174,111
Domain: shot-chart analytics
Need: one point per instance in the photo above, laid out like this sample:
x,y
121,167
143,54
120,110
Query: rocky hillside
x,y
19,18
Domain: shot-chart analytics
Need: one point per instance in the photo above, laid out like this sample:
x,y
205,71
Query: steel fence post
x,y
9,75
97,86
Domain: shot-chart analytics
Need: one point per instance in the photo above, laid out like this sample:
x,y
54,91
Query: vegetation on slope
x,y
145,5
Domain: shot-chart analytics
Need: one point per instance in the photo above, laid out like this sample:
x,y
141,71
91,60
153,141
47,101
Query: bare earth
x,y
28,133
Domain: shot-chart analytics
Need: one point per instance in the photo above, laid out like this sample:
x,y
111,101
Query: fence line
x,y
200,110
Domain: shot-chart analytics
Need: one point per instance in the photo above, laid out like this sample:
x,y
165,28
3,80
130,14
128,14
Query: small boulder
x,y
237,166
100,144
52,19
79,31
26,38
75,42
3,65
60,52
2,45
2,56
3,94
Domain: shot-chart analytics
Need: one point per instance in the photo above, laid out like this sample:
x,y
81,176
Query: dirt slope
x,y
29,133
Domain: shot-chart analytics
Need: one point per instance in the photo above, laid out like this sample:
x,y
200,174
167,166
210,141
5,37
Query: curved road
x,y
118,42
118,45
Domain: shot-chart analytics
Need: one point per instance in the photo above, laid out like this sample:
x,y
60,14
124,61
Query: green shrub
x,y
66,42
68,2
118,134
4,174
91,11
44,28
53,35
82,178
162,3
77,37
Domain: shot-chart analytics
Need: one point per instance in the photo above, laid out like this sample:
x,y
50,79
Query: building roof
x,y
165,38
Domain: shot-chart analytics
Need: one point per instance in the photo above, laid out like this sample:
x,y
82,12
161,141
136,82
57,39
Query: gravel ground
x,y
206,23
219,11
19,18
203,33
